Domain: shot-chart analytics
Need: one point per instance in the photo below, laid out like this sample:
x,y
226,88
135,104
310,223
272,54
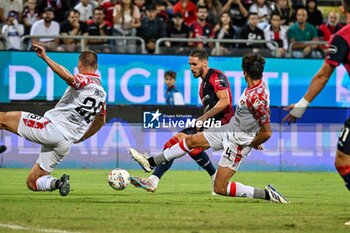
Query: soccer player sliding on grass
x,y
216,97
79,114
248,128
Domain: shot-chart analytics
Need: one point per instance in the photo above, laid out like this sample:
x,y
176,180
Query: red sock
x,y
172,141
195,151
231,189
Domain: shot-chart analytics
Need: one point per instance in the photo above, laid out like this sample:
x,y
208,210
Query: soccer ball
x,y
118,179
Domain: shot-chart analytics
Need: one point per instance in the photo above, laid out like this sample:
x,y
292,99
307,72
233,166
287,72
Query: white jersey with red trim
x,y
77,108
252,111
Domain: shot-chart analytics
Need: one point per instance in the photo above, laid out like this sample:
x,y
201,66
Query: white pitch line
x,y
24,228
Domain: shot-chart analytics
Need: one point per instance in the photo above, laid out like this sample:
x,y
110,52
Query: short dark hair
x,y
99,9
170,73
88,58
275,13
200,53
75,11
251,13
253,64
201,6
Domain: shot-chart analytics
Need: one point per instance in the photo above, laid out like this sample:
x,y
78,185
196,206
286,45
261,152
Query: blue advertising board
x,y
138,79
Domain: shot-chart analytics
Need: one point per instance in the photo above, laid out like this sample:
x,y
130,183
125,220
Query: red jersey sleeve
x,y
80,81
259,107
218,81
337,51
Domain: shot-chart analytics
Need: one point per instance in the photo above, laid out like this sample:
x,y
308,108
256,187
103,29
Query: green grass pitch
x,y
319,203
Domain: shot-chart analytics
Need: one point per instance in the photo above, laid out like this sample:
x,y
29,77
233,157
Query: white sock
x,y
236,189
154,179
176,151
45,183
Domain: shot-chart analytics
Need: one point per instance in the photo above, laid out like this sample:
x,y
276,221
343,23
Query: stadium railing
x,y
113,41
218,48
317,52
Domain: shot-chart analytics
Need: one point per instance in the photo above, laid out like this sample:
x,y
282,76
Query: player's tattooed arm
x,y
57,68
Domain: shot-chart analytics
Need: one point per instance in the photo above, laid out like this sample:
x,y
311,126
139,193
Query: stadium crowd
x,y
284,21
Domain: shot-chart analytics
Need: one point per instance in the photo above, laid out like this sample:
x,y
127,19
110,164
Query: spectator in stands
x,y
152,28
73,27
202,29
332,26
214,10
178,29
98,26
314,15
252,33
285,10
162,12
126,18
30,15
172,95
302,31
60,8
12,31
85,8
46,26
275,32
141,5
225,30
237,11
10,5
188,10
262,9
108,6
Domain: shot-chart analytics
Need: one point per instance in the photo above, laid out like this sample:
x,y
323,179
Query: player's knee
x,y
219,189
190,141
31,184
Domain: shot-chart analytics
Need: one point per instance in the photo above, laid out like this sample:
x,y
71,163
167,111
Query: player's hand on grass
x,y
40,51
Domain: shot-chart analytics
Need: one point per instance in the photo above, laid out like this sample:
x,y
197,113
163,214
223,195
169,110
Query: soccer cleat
x,y
275,196
63,185
347,223
141,159
144,183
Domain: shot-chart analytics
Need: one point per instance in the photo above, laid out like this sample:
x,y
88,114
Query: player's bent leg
x,y
10,121
342,159
223,175
196,141
33,176
342,164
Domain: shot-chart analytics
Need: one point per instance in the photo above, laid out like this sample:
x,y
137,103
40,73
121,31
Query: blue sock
x,y
161,169
203,160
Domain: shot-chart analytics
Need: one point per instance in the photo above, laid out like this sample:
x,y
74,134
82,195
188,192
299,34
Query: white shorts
x,y
54,146
233,153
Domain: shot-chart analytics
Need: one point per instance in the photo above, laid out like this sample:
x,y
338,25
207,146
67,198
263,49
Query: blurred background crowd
x,y
295,28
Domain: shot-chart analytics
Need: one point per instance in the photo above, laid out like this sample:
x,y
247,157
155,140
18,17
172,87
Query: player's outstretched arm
x,y
96,125
318,82
57,68
265,132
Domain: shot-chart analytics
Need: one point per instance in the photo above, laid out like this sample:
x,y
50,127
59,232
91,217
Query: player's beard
x,y
199,74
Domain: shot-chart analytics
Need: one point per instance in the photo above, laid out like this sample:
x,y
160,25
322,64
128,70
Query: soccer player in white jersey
x,y
79,114
248,128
